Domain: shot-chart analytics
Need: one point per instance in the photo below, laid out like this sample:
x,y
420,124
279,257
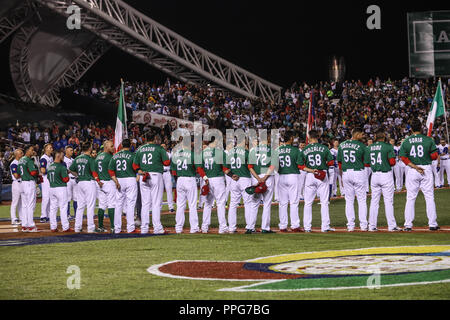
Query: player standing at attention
x,y
444,163
83,167
28,173
167,180
107,193
396,167
72,184
381,158
202,198
316,159
237,160
16,203
44,162
301,176
417,152
262,172
183,169
121,170
289,160
149,162
367,169
335,169
58,177
351,162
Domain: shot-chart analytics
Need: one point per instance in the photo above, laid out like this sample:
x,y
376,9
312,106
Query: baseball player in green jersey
x,y
122,173
83,167
381,158
289,161
316,159
28,173
213,163
350,159
417,152
237,161
260,167
107,193
183,168
149,162
58,177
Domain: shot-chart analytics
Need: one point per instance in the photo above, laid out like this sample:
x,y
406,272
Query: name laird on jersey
x,y
350,145
415,140
313,149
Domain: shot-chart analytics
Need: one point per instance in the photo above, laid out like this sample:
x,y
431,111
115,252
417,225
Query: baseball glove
x,y
40,180
146,177
261,188
205,190
320,174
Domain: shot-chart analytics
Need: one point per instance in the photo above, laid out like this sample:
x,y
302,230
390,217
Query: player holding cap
x,y
58,177
72,184
149,162
44,162
260,158
444,162
316,159
16,203
28,173
83,167
417,152
107,193
121,171
289,160
167,180
183,168
381,158
351,162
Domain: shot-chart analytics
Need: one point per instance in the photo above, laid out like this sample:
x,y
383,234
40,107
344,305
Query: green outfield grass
x,y
116,269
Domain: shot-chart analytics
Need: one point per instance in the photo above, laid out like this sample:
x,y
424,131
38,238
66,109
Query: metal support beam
x,y
15,18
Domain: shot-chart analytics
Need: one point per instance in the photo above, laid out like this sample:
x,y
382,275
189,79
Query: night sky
x,y
282,41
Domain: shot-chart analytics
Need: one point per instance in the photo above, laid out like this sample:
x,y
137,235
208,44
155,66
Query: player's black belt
x,y
382,171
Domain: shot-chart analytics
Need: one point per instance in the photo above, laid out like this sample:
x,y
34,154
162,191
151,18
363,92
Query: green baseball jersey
x,y
260,158
83,165
122,164
211,163
102,165
316,156
237,160
25,167
55,173
150,158
351,155
183,163
378,155
289,159
418,148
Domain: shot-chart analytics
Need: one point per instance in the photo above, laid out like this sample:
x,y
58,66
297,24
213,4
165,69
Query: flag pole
x,y
124,109
445,112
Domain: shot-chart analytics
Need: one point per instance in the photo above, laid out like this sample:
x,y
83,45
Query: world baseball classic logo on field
x,y
323,270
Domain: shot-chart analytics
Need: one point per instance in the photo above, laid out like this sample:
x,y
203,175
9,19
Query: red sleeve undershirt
x,y
34,173
201,172
250,166
330,163
367,165
95,175
392,162
340,165
112,173
136,167
224,169
405,160
65,179
166,163
434,156
174,173
301,167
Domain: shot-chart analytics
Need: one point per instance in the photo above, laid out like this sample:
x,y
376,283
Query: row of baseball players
x,y
117,188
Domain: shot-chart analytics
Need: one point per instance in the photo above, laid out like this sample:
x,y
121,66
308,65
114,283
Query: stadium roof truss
x,y
126,28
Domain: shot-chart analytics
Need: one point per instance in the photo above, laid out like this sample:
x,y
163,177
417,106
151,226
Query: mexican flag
x,y
437,109
121,121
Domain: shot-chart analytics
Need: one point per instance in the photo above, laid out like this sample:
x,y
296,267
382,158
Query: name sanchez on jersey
x,y
350,145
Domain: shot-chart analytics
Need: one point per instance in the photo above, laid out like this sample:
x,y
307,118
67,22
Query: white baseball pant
x,y
397,171
237,192
368,175
445,166
58,199
355,184
301,184
333,180
125,198
401,175
72,190
107,195
186,192
228,181
16,203
288,193
436,174
87,195
45,204
151,198
276,188
382,183
315,186
167,180
216,192
202,199
415,182
267,203
28,197
341,182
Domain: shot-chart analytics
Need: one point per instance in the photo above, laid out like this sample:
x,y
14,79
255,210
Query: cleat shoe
x,y
308,231
69,230
373,230
135,231
24,229
43,220
250,231
16,222
94,231
54,230
435,228
284,231
33,229
329,230
78,231
267,231
407,229
296,230
205,231
172,210
364,229
232,231
395,230
350,229
102,230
